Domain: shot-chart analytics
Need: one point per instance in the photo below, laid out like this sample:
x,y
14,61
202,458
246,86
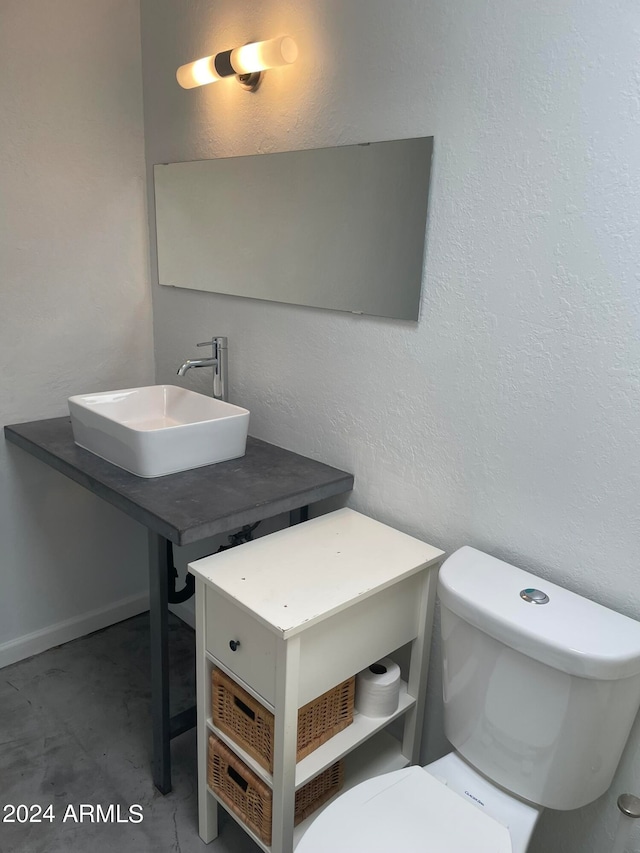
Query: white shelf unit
x,y
291,615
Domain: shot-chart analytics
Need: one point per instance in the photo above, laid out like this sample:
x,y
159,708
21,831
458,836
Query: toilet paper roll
x,y
378,689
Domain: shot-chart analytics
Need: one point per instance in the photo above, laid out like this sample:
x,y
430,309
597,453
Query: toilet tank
x,y
538,697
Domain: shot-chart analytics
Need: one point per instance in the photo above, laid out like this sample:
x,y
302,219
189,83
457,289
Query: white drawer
x,y
254,659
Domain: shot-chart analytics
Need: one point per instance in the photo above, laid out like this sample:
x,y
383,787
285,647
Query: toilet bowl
x,y
530,672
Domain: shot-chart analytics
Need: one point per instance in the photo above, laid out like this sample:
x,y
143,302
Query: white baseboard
x,y
62,632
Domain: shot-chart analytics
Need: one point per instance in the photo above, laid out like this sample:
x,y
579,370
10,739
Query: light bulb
x,y
264,54
197,73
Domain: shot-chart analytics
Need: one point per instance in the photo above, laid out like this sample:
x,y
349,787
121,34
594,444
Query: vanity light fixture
x,y
247,63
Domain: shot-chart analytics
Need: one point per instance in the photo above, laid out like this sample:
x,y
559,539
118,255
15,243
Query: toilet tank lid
x,y
569,632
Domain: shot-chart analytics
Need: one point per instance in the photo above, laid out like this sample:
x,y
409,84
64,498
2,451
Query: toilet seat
x,y
408,811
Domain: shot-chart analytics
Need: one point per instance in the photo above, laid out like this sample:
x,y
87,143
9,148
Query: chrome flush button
x,y
534,596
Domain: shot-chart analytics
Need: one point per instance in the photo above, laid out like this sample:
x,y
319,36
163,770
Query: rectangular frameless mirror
x,y
340,228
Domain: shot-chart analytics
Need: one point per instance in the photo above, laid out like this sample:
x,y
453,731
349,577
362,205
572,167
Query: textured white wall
x,y
509,416
76,304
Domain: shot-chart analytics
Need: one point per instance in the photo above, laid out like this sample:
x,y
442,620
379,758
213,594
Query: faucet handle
x,y
216,342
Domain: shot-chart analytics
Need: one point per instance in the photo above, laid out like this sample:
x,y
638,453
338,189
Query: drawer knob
x,y
234,645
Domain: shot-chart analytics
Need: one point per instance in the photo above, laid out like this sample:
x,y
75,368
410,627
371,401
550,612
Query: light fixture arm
x,y
250,81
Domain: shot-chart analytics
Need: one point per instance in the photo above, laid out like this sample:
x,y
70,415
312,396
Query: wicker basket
x,y
236,713
251,800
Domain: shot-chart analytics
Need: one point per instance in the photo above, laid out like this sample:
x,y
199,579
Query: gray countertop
x,y
191,505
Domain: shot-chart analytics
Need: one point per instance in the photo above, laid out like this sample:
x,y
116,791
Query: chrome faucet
x,y
219,364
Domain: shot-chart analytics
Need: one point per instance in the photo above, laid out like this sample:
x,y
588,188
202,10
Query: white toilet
x,y
541,688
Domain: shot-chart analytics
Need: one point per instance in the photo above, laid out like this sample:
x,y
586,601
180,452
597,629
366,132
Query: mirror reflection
x,y
338,228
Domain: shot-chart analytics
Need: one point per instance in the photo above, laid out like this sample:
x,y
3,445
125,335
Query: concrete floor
x,y
75,729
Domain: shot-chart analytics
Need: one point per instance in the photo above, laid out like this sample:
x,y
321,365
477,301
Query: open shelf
x,y
361,729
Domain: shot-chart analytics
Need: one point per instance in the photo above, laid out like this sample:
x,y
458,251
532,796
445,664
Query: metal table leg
x,y
159,642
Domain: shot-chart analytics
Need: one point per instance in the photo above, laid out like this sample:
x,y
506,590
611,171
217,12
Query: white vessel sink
x,y
159,429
